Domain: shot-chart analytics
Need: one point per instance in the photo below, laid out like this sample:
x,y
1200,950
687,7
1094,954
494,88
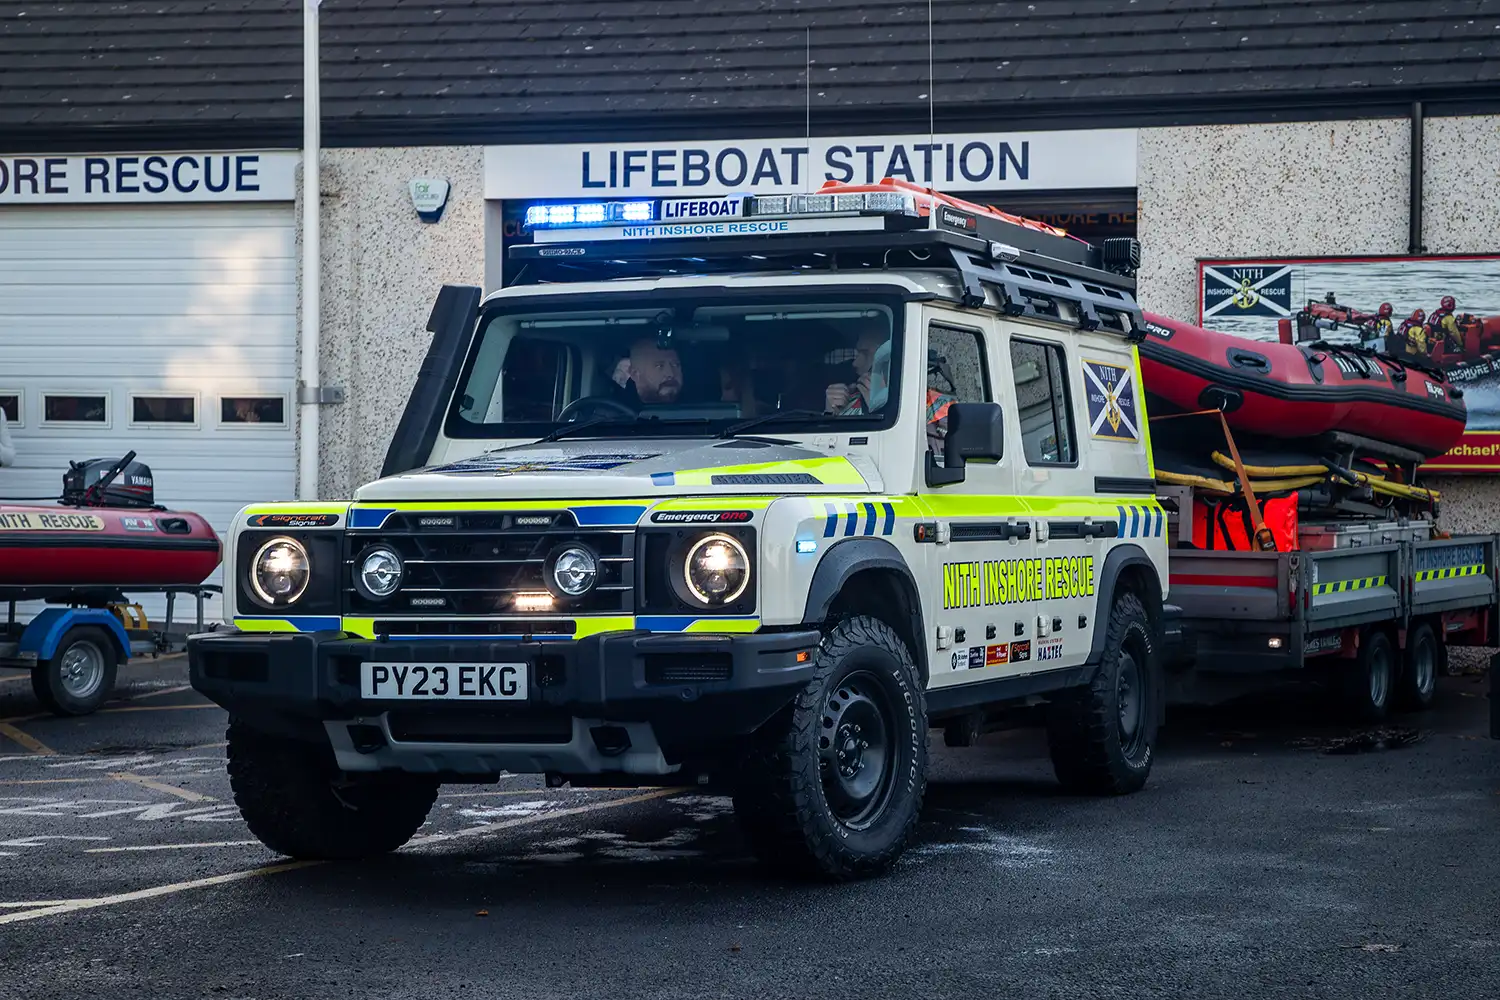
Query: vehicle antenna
x,y
807,91
931,98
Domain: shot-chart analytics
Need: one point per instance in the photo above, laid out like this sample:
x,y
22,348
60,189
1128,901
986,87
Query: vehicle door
x,y
1056,478
978,564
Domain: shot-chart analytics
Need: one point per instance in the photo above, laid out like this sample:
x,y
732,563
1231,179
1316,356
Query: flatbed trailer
x,y
1359,613
73,648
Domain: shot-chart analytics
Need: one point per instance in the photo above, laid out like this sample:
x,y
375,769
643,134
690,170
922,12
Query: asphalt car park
x,y
1271,853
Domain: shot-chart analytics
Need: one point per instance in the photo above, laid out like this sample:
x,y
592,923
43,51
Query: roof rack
x,y
1034,270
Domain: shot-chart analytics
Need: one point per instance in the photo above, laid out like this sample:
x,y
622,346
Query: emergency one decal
x,y
1013,581
1110,390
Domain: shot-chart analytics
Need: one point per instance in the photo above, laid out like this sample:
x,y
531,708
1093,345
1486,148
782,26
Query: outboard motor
x,y
107,482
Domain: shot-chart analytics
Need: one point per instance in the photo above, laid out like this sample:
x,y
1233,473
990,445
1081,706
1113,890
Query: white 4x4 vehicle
x,y
745,504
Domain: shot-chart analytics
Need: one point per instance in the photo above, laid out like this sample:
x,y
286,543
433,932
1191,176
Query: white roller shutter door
x,y
181,320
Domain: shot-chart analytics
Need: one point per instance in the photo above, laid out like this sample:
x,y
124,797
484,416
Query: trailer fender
x,y
45,631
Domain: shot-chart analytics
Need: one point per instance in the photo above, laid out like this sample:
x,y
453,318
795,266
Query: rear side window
x,y
533,380
1042,398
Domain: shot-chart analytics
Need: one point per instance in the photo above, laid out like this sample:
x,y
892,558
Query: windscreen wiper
x,y
734,430
574,428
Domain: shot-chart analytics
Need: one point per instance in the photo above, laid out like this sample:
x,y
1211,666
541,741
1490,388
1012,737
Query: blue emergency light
x,y
594,213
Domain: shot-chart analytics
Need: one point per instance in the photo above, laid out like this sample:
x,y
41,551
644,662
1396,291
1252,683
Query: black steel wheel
x,y
1425,659
833,784
1369,678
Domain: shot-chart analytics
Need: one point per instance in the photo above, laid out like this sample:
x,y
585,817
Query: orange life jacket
x,y
1226,526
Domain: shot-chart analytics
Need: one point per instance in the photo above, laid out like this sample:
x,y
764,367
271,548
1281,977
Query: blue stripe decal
x,y
1121,532
663,479
1135,522
890,518
607,517
369,517
831,523
853,519
1161,522
302,623
870,524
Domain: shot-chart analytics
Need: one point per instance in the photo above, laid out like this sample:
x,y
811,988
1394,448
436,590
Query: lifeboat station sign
x,y
987,161
146,178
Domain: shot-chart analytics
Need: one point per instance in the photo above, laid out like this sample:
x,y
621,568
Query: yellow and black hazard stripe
x,y
1345,586
1449,573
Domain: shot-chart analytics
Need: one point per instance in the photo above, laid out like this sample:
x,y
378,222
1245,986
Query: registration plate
x,y
444,681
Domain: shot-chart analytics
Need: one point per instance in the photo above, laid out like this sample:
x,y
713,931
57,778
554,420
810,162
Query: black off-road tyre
x,y
297,802
1102,737
1425,661
832,786
81,673
1367,681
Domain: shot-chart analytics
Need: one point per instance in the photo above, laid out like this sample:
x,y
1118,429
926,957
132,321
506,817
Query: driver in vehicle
x,y
656,372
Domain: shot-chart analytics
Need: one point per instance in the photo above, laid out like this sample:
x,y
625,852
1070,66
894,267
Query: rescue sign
x,y
147,178
49,521
994,582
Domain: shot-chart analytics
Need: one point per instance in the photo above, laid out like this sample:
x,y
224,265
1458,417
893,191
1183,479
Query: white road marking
x,y
74,905
161,786
41,839
171,847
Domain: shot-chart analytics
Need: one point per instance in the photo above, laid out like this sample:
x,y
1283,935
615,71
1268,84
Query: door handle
x,y
1078,529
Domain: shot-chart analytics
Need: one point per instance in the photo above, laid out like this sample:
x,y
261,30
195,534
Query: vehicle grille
x,y
476,563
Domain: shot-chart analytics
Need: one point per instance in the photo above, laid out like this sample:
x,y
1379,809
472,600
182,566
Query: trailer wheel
x,y
1425,658
1369,679
79,675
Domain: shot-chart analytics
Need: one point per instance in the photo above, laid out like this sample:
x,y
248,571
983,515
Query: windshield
x,y
685,366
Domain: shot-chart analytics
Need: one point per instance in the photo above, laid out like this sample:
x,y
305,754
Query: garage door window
x,y
10,405
75,408
238,410
170,411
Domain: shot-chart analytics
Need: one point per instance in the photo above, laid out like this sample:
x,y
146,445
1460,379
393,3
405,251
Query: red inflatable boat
x,y
104,546
1300,391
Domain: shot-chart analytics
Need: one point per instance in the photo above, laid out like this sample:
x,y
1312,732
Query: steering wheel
x,y
571,411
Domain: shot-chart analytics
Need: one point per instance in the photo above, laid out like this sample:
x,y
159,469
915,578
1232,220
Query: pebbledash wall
x,y
1325,188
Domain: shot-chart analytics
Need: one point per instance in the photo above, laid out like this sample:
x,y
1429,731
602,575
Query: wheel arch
x,y
45,632
1127,569
873,569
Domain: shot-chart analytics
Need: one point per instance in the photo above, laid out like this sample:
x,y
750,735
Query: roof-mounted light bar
x,y
726,208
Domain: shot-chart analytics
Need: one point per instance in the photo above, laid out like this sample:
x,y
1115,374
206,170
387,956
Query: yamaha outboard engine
x,y
108,482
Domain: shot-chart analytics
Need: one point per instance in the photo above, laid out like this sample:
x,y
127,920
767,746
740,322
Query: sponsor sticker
x,y
1052,650
962,221
964,659
976,657
49,521
1324,643
701,516
137,524
1020,651
995,656
292,520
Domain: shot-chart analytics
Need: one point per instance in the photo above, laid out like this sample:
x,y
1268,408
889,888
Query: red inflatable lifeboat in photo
x,y
1302,390
106,532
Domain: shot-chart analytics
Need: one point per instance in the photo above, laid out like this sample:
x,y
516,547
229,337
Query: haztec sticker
x,y
48,521
137,524
701,516
1020,651
995,656
1049,650
1012,581
293,520
496,465
1110,390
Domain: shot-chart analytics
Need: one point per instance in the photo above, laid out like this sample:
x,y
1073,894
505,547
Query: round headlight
x,y
574,571
379,573
279,572
717,569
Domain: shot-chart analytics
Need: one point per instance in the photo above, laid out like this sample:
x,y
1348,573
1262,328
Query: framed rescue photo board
x,y
1442,312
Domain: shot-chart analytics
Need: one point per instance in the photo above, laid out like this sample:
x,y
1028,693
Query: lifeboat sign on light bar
x,y
732,215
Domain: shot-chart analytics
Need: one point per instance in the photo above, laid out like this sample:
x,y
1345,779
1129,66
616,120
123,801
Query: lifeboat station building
x,y
1265,154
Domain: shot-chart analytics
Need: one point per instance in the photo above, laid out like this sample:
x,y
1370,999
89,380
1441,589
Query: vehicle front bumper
x,y
629,702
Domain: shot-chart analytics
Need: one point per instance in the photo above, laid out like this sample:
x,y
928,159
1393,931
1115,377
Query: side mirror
x,y
975,431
